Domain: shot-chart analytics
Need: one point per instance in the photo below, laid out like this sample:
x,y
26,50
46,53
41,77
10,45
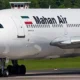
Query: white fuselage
x,y
27,33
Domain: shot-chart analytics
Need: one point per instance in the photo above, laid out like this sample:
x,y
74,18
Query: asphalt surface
x,y
50,77
53,72
56,74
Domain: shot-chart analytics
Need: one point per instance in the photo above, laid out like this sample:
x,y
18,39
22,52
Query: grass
x,y
40,64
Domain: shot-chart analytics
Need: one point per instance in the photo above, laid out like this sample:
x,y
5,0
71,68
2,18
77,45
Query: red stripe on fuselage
x,y
28,23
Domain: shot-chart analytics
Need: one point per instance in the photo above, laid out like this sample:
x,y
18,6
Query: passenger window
x,y
15,5
21,5
18,5
12,5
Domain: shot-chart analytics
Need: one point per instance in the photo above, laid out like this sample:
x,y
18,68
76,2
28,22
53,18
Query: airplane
x,y
36,33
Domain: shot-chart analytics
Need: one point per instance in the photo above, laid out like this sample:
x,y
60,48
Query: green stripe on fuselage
x,y
24,17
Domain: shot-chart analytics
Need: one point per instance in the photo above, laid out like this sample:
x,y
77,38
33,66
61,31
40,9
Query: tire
x,y
16,70
13,70
10,69
0,73
22,70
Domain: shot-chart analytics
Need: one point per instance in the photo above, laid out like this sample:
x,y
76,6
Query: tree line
x,y
44,3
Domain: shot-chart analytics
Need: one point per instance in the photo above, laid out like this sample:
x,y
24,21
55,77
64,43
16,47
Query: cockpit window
x,y
1,26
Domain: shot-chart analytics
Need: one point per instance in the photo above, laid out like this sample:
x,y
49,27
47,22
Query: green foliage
x,y
59,63
44,3
34,4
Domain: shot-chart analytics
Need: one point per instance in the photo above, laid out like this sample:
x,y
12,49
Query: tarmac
x,y
55,74
48,77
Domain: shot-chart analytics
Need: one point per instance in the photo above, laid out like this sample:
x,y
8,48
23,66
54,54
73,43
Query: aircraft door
x,y
19,26
65,29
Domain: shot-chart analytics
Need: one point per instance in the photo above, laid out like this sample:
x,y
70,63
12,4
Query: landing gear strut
x,y
3,71
14,69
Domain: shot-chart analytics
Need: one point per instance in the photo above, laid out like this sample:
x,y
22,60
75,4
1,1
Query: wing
x,y
66,42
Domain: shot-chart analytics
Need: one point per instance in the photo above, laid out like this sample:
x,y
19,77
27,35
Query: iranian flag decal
x,y
26,20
